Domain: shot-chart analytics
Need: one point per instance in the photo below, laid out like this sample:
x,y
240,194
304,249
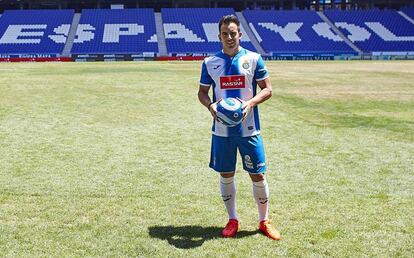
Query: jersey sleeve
x,y
205,79
261,71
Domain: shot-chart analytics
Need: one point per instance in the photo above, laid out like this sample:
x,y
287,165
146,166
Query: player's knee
x,y
257,177
227,175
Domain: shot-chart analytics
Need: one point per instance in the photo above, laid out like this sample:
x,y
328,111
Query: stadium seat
x,y
125,31
294,32
195,30
375,30
34,31
409,12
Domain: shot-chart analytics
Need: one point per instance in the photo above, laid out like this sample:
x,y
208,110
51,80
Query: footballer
x,y
236,72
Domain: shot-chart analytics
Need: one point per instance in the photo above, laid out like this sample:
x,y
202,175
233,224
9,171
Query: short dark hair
x,y
227,19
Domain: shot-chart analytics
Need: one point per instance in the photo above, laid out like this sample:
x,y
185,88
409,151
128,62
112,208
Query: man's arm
x,y
265,94
204,99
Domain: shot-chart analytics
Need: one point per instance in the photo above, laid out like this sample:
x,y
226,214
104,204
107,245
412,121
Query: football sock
x,y
228,193
261,195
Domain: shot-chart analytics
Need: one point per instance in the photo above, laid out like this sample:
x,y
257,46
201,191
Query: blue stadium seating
x,y
116,31
294,32
195,30
409,12
375,30
34,31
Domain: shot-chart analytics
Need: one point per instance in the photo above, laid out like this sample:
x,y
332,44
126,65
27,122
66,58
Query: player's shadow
x,y
186,237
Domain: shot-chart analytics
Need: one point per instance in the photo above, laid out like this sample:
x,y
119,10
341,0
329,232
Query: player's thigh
x,y
252,153
223,154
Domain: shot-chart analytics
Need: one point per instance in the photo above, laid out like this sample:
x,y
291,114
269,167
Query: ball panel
x,y
231,104
229,112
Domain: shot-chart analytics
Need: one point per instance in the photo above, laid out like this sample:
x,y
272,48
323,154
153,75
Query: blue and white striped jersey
x,y
235,77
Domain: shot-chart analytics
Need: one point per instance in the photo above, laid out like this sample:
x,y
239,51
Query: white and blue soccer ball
x,y
230,112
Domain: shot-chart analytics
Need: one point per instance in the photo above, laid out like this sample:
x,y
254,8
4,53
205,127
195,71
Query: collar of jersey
x,y
231,57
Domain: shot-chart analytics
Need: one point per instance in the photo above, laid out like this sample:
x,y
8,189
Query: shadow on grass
x,y
186,237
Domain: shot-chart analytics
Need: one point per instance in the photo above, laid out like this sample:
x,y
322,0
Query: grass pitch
x,y
110,159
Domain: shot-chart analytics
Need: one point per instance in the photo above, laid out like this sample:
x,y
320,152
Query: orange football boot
x,y
267,228
231,228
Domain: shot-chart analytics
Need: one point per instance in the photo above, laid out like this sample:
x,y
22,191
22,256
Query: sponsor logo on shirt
x,y
232,82
248,162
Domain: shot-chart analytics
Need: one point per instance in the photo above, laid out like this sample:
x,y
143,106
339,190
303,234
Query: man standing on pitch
x,y
236,72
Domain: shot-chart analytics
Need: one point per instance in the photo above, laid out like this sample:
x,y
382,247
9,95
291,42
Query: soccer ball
x,y
229,112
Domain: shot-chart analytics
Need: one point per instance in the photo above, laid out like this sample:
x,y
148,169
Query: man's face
x,y
230,36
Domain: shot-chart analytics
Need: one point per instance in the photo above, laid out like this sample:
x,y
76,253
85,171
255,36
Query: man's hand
x,y
246,106
213,108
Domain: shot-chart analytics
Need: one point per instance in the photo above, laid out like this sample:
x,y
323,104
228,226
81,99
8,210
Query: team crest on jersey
x,y
246,65
232,82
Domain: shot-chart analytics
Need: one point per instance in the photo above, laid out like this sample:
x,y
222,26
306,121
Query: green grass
x,y
110,159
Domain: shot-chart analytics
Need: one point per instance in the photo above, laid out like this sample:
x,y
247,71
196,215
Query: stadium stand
x,y
103,31
375,31
136,34
34,31
195,30
409,12
294,32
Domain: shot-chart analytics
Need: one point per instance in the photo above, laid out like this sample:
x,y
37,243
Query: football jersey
x,y
235,77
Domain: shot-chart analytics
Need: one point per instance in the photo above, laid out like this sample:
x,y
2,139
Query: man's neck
x,y
231,52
